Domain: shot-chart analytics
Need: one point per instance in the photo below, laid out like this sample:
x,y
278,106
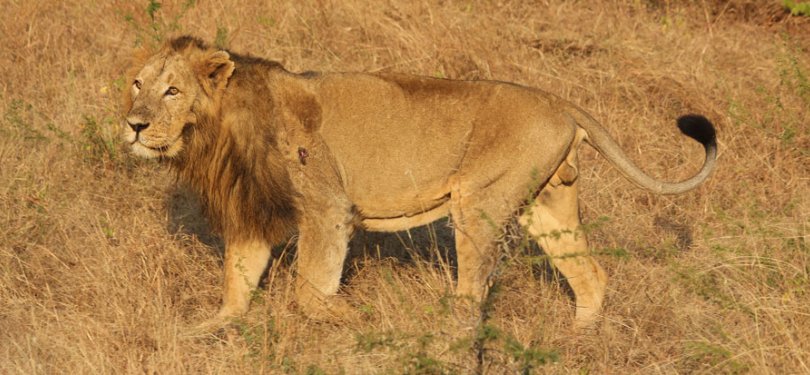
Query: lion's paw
x,y
216,326
333,309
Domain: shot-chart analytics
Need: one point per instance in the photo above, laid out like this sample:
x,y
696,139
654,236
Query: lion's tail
x,y
695,126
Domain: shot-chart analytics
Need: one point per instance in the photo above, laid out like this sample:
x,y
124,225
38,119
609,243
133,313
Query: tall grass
x,y
105,261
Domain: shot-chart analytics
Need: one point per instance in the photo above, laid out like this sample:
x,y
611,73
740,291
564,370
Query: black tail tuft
x,y
699,128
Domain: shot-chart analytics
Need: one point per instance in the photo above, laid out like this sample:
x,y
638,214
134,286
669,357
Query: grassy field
x,y
105,261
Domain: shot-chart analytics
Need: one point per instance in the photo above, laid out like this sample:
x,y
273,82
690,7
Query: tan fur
x,y
271,152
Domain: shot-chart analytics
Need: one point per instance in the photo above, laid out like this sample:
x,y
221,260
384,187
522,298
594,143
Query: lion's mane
x,y
244,187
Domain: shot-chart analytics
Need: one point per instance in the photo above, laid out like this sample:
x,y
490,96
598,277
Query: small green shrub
x,y
98,144
797,8
221,40
158,27
720,359
18,120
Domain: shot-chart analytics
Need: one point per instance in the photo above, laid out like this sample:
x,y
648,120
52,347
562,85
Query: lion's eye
x,y
137,84
172,91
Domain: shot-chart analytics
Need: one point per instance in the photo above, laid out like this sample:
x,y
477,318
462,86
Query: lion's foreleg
x,y
245,262
322,247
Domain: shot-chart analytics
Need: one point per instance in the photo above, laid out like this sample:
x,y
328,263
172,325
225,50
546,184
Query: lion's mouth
x,y
151,151
160,149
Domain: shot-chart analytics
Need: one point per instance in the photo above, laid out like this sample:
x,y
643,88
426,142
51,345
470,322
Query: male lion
x,y
271,152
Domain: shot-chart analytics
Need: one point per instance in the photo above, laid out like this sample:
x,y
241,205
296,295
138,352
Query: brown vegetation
x,y
105,261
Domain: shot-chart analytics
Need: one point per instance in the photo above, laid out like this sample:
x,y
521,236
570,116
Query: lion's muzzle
x,y
137,126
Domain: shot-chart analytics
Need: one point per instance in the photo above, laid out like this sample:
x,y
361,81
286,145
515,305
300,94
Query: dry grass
x,y
104,261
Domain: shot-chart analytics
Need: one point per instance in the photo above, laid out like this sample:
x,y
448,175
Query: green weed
x,y
266,21
797,8
259,339
315,370
711,285
158,26
719,359
791,73
253,336
97,144
415,360
19,121
420,362
288,365
369,341
367,309
221,40
529,358
488,334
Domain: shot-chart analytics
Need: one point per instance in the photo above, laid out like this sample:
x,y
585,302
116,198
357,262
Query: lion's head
x,y
167,93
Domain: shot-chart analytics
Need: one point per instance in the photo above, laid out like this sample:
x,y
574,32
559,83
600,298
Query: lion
x,y
272,153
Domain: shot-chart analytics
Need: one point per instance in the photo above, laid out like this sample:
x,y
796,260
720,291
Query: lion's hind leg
x,y
479,215
477,257
553,220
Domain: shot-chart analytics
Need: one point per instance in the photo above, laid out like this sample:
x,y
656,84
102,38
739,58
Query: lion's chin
x,y
168,151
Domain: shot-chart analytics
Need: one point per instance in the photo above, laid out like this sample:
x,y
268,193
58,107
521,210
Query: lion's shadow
x,y
433,243
186,218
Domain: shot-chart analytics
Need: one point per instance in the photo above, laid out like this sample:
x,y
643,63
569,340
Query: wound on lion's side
x,y
302,155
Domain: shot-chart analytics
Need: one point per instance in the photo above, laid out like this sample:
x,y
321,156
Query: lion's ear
x,y
215,70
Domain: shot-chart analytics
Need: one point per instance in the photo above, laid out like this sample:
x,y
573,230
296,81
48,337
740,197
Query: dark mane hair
x,y
184,43
238,170
181,43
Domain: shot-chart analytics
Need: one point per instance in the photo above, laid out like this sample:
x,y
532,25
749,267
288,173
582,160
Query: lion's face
x,y
163,94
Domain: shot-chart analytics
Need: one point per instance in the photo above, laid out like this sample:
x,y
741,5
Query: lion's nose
x,y
137,126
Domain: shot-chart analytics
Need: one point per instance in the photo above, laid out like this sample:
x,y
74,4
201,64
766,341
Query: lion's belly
x,y
396,153
392,178
387,181
390,204
388,176
403,222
